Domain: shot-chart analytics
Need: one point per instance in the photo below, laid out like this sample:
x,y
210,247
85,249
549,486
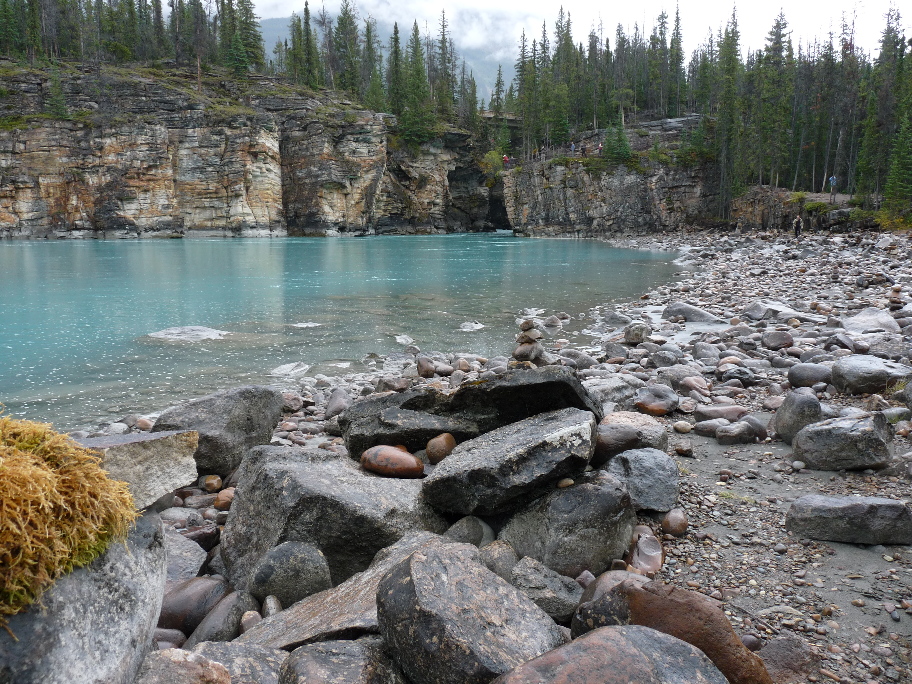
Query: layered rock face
x,y
593,197
155,156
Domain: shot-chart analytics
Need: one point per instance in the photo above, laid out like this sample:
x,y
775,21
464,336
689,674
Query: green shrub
x,y
816,207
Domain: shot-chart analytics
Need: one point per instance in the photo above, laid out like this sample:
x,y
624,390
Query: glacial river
x,y
76,317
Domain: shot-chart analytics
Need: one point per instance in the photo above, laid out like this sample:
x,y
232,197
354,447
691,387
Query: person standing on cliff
x,y
797,225
572,149
833,189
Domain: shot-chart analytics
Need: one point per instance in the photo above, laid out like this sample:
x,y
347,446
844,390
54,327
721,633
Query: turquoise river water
x,y
76,316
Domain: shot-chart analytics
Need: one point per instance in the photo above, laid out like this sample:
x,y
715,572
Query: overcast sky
x,y
498,23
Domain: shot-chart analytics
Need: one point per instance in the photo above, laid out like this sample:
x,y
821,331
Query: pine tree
x,y
395,74
347,49
898,190
248,28
728,123
417,120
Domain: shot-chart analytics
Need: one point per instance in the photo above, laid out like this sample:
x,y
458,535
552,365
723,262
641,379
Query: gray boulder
x,y
80,632
704,350
582,527
851,519
223,622
859,374
637,332
153,465
228,422
471,530
186,604
290,571
620,655
601,605
618,390
246,663
777,339
555,594
738,432
799,409
508,467
625,430
691,314
871,319
809,374
500,558
413,417
674,376
656,400
651,476
362,661
185,557
849,443
339,400
346,611
447,619
317,497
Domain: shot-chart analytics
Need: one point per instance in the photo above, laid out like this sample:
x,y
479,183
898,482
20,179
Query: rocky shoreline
x,y
695,420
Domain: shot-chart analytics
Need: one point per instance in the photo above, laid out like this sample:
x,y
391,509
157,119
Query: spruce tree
x,y
395,74
417,120
898,191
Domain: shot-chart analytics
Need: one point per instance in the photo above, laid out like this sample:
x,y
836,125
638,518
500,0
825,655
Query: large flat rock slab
x,y
95,623
848,443
509,467
851,519
152,464
862,374
346,611
413,417
316,496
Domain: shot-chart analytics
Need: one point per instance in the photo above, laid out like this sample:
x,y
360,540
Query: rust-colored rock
x,y
675,522
175,666
392,462
693,618
440,447
618,655
223,500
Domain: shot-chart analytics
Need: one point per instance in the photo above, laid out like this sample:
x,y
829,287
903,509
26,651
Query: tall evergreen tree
x,y
395,74
417,120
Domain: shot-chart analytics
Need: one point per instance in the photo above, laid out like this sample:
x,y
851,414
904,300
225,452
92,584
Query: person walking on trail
x,y
600,149
572,148
797,225
833,189
583,150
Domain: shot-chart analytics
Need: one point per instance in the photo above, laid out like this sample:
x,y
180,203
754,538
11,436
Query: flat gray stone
x,y
555,594
871,319
508,467
691,314
152,464
851,519
185,557
346,611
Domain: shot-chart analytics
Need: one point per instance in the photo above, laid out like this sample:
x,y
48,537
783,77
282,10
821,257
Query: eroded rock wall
x,y
156,156
576,197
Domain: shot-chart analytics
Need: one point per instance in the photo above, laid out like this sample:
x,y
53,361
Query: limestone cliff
x,y
593,197
145,152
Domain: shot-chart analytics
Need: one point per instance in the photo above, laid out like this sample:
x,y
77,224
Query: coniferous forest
x,y
788,115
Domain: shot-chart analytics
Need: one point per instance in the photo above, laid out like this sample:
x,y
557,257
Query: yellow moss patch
x,y
58,510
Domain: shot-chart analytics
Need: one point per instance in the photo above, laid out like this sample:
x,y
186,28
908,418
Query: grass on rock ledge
x,y
58,510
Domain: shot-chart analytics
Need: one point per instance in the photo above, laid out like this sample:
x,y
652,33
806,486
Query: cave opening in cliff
x,y
497,212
